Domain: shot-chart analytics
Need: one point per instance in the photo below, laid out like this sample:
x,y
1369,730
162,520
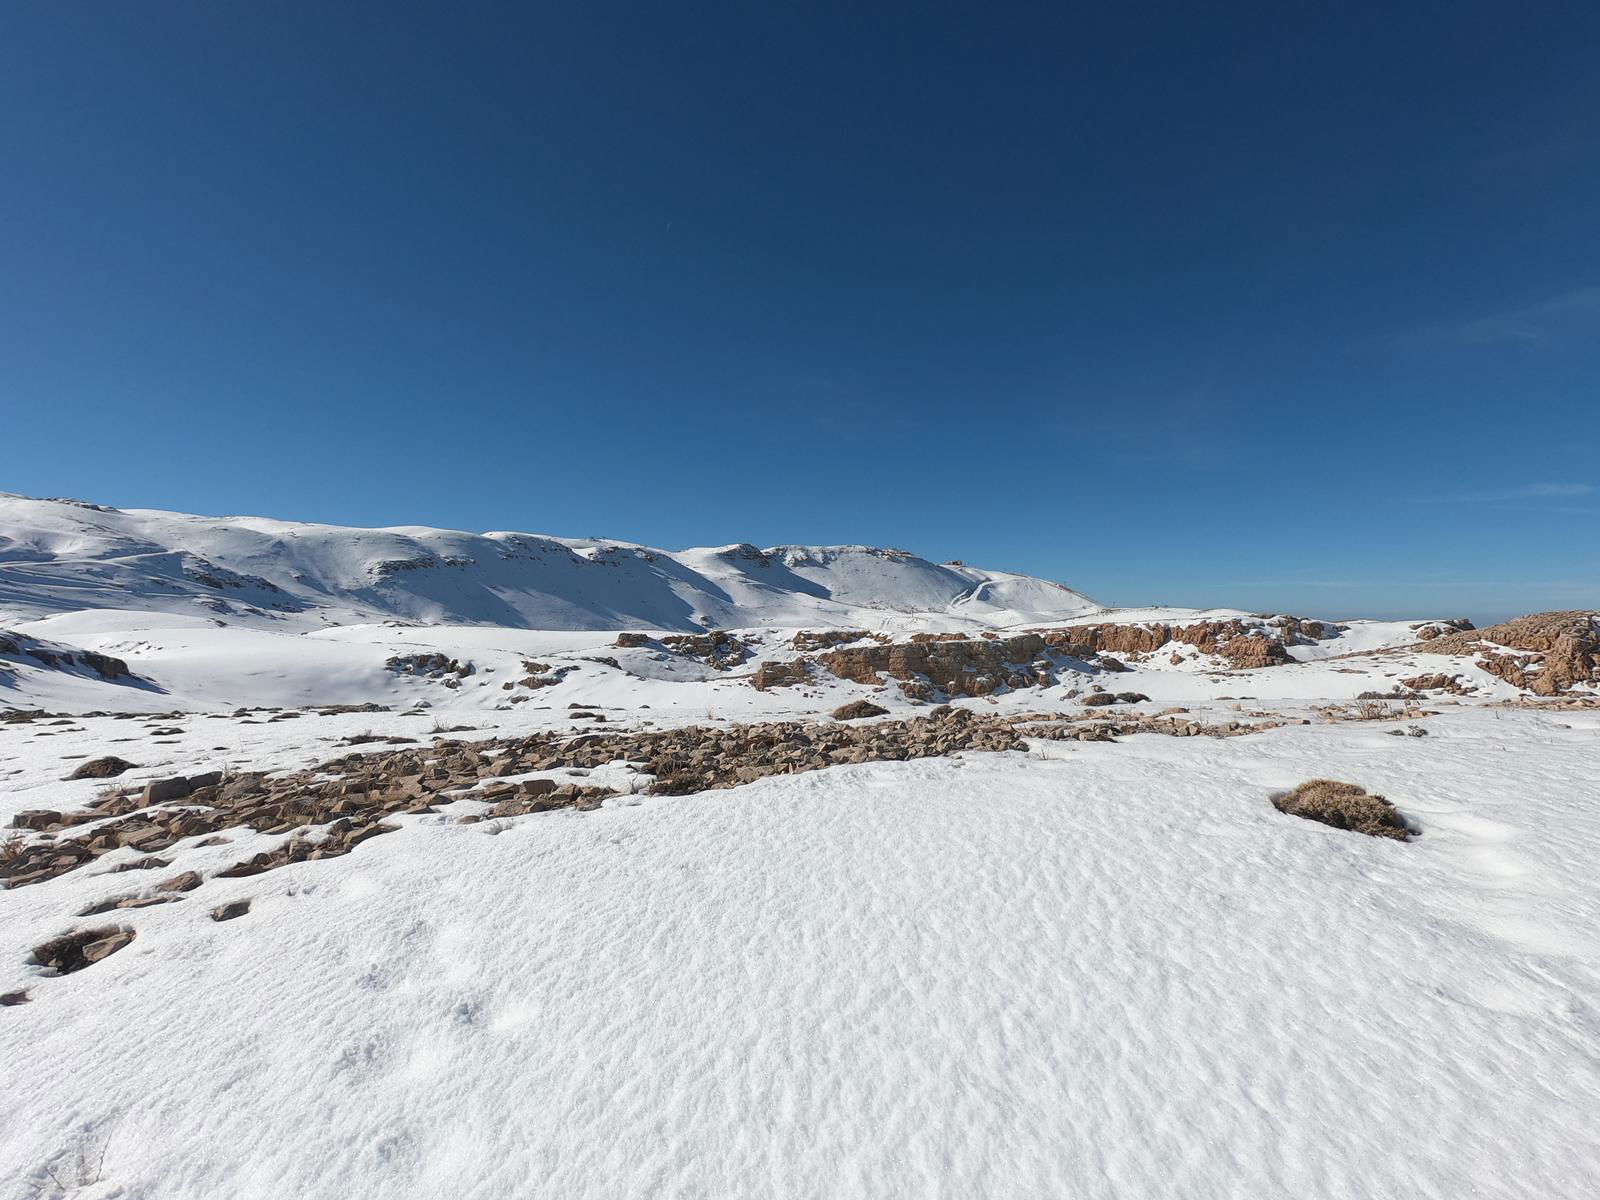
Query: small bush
x,y
1344,806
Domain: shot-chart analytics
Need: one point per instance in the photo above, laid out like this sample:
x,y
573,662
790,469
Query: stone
x,y
36,818
160,791
857,710
80,949
108,767
230,910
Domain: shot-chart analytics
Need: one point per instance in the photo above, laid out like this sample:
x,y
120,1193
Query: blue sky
x,y
1279,306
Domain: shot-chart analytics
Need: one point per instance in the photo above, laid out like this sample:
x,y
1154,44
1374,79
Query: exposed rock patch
x,y
1437,682
432,666
56,657
957,667
857,710
824,639
778,674
230,910
328,810
1245,645
1428,630
1545,653
716,649
79,949
108,767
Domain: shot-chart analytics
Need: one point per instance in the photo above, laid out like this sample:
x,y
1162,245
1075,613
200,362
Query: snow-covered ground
x,y
1087,969
63,556
1100,970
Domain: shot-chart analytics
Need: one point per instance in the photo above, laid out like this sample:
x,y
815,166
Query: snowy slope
x,y
1109,970
61,556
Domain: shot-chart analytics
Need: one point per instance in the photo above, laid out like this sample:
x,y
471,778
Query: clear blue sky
x,y
1280,306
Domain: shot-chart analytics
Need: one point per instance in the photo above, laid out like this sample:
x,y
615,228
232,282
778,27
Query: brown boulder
x,y
857,710
108,767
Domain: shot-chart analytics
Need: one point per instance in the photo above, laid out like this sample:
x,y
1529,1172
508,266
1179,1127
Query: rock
x,y
108,767
857,710
1437,682
36,818
809,640
431,666
81,948
1248,644
777,674
716,649
953,663
186,882
230,910
148,863
162,790
1546,653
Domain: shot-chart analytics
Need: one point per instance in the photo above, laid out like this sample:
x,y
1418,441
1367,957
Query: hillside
x,y
64,555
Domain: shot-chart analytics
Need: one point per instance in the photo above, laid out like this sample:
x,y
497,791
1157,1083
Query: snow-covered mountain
x,y
66,555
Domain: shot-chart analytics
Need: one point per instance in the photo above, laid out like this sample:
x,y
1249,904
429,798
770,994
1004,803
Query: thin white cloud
x,y
1527,491
1568,316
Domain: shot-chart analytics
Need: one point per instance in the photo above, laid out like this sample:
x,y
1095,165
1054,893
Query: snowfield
x,y
1086,969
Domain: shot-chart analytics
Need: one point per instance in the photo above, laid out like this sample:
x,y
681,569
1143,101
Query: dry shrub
x,y
1344,806
1371,708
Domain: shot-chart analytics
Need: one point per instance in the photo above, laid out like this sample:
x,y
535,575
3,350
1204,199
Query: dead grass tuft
x,y
1344,806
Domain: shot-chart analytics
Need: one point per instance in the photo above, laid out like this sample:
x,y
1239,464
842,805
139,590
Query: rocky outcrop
x,y
1545,653
823,639
1245,645
779,674
56,657
431,666
716,649
1426,631
957,667
1436,682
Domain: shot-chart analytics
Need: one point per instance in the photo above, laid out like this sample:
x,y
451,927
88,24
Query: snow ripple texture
x,y
1094,971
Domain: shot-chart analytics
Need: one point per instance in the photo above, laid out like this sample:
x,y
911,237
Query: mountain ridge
x,y
61,555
